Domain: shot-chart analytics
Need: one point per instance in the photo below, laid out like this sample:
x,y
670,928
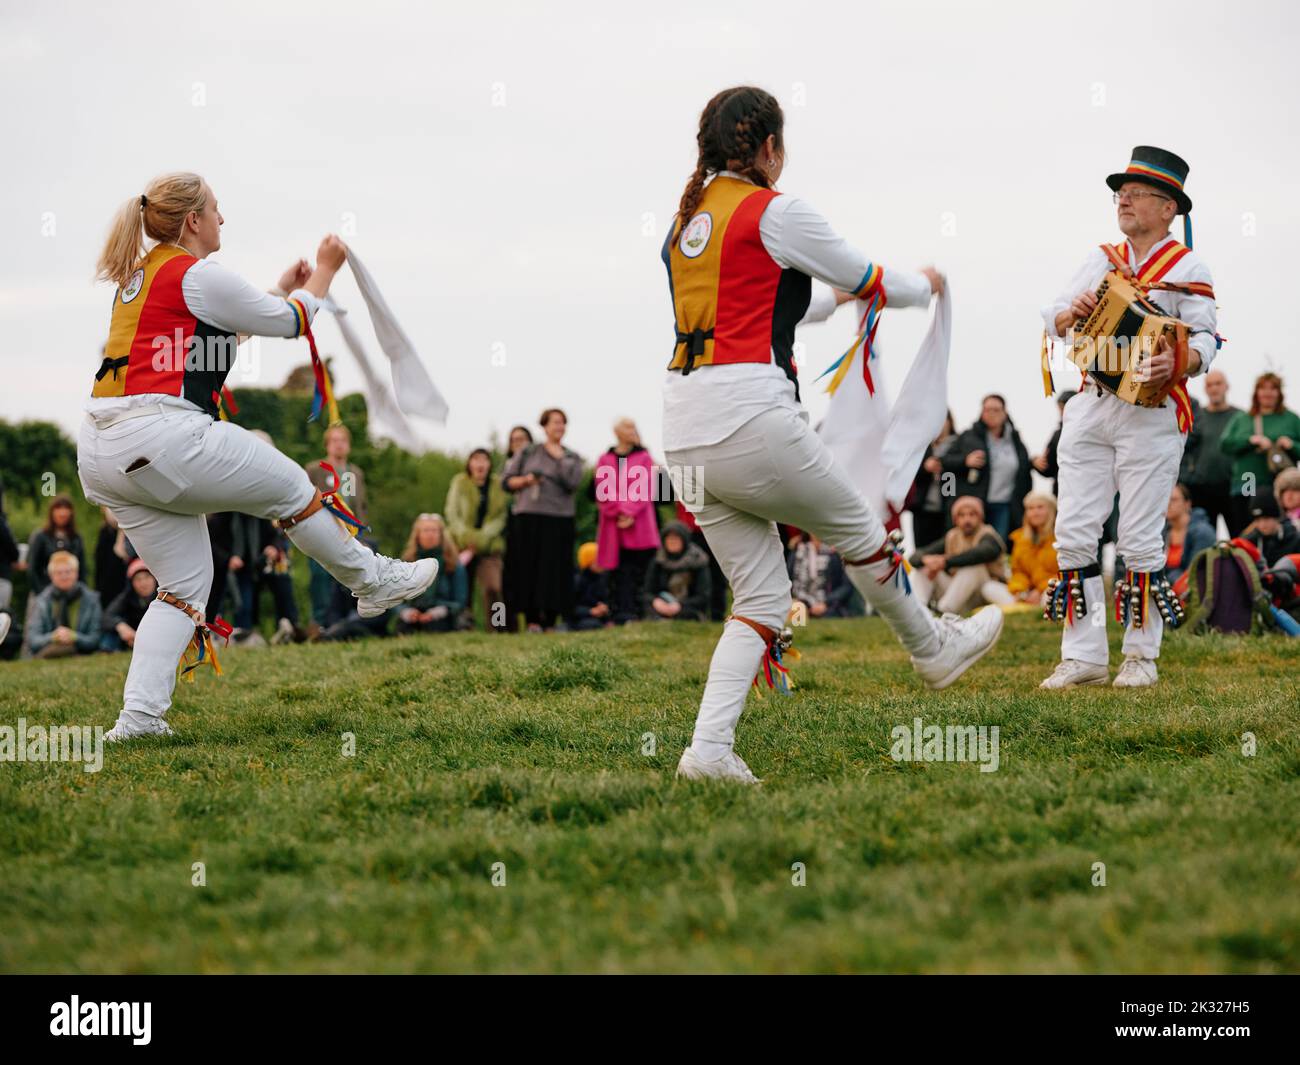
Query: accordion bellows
x,y
1119,335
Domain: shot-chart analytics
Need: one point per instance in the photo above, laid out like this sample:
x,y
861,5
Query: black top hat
x,y
1159,168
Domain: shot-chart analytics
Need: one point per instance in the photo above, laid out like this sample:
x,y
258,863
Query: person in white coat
x,y
155,448
1109,445
740,260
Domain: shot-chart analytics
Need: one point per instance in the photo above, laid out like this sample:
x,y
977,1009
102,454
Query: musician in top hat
x,y
1109,445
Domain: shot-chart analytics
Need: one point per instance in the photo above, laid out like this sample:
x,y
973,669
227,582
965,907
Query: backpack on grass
x,y
1225,594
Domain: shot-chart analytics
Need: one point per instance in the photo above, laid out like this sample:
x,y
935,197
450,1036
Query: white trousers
x,y
775,468
958,592
195,466
1106,446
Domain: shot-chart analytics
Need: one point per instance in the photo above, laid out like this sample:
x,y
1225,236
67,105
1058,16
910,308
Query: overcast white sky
x,y
974,136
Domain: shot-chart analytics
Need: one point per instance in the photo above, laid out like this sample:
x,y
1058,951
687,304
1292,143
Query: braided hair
x,y
733,127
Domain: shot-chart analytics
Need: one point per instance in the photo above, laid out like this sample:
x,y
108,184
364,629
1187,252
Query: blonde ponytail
x,y
125,244
159,214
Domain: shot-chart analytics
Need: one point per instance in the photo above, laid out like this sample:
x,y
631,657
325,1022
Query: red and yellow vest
x,y
156,345
731,301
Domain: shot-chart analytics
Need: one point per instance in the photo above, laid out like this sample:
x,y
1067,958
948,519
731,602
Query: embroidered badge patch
x,y
695,237
133,286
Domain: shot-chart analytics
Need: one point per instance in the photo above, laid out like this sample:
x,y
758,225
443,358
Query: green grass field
x,y
527,751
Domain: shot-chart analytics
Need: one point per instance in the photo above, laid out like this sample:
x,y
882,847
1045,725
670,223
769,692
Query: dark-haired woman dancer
x,y
740,261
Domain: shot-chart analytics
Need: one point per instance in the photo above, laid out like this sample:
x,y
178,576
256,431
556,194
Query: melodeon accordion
x,y
1113,343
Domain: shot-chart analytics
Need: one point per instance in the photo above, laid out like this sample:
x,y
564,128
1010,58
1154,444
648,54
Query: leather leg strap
x,y
184,607
316,504
768,634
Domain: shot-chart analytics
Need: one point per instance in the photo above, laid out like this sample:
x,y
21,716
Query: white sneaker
x,y
137,725
5,622
395,582
1073,673
1136,672
962,643
283,633
729,767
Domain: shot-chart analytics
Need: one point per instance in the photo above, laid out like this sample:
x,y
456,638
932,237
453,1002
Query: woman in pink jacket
x,y
627,535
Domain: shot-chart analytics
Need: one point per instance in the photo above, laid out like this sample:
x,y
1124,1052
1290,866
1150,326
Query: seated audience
x,y
65,618
1188,532
591,609
1033,549
965,569
1286,490
1267,531
678,584
818,580
59,533
123,615
437,608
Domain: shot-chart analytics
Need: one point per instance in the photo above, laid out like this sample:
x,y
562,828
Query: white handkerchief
x,y
414,389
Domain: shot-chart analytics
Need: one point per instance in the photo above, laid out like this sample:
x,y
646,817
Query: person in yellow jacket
x,y
1033,550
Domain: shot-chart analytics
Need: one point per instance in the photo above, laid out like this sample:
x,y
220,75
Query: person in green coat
x,y
1260,441
477,508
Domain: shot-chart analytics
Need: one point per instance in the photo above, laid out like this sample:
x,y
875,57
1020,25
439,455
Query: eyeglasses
x,y
1131,196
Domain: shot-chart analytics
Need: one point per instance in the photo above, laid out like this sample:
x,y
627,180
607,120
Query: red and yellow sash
x,y
1151,277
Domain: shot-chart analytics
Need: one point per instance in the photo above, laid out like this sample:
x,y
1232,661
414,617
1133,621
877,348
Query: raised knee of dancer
x,y
870,547
193,588
301,499
301,511
771,610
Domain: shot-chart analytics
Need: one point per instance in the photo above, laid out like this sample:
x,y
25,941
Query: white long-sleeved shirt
x,y
1199,312
710,404
225,300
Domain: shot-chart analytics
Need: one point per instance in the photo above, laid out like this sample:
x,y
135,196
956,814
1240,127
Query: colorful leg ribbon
x,y
333,502
899,567
772,668
892,551
1065,598
200,650
1134,593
